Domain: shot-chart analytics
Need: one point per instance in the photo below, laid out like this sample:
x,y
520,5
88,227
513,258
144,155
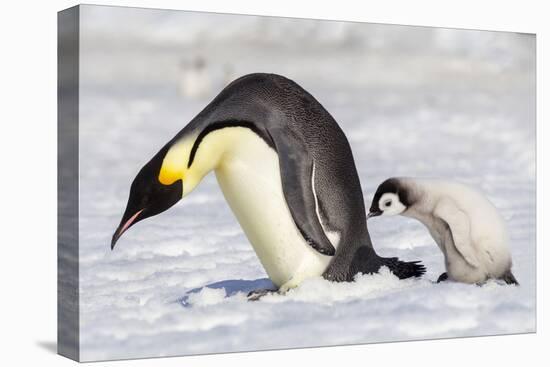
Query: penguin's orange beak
x,y
124,225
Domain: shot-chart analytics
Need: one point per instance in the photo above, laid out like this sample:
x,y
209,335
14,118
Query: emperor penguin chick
x,y
465,225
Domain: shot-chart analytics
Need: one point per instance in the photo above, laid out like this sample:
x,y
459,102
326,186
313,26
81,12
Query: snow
x,y
412,101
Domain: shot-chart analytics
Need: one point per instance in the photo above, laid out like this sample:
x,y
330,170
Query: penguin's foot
x,y
401,269
509,278
259,293
443,277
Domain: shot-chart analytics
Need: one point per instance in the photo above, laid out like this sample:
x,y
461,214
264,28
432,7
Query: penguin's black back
x,y
277,105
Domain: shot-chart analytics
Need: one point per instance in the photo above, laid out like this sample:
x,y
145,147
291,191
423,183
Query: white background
x,y
28,153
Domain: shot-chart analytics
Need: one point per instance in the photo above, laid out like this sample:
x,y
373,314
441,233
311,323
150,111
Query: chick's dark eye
x,y
388,203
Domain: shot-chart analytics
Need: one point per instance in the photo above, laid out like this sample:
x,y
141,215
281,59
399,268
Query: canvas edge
x,y
68,324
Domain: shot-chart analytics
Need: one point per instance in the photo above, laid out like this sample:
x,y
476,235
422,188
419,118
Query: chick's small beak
x,y
124,225
373,214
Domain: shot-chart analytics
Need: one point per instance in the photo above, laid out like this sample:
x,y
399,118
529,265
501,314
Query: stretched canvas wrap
x,y
223,183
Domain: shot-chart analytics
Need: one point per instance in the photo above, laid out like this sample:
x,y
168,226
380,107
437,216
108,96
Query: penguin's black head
x,y
173,173
148,196
391,198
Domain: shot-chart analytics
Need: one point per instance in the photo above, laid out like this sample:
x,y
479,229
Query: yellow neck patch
x,y
174,165
208,157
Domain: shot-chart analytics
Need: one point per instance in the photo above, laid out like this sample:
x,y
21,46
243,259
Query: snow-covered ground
x,y
412,101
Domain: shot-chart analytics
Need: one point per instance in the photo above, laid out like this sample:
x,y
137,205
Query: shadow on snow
x,y
231,287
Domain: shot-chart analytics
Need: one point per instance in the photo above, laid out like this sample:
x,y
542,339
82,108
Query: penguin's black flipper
x,y
296,167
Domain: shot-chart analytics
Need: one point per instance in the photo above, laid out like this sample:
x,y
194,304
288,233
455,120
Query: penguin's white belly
x,y
249,177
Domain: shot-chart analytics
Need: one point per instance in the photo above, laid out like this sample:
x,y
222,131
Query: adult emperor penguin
x,y
287,172
465,225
